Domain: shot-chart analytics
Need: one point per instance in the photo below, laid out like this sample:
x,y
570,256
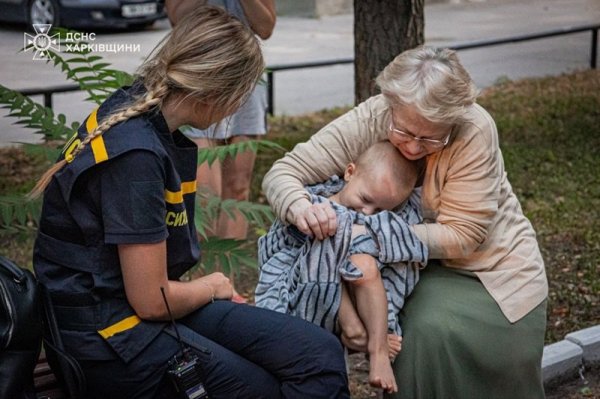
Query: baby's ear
x,y
350,169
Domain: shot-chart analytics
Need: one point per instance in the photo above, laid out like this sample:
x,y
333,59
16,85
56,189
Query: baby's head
x,y
380,179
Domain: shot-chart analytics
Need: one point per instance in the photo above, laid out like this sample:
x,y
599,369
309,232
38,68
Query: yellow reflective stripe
x,y
92,121
98,147
176,197
121,326
188,187
69,143
70,149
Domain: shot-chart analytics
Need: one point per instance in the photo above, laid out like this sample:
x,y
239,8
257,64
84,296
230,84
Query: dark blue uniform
x,y
136,184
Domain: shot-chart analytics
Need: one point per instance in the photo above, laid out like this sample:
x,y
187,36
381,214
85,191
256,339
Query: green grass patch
x,y
550,137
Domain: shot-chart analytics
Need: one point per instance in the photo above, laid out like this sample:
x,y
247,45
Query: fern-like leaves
x,y
211,154
209,207
16,214
86,69
35,116
226,255
254,213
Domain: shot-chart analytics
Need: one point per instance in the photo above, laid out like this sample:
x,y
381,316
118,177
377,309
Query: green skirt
x,y
457,343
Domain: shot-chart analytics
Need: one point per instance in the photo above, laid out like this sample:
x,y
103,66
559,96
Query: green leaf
x,y
33,115
81,69
211,154
100,66
18,213
91,75
225,255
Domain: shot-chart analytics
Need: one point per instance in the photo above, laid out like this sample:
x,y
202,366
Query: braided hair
x,y
209,56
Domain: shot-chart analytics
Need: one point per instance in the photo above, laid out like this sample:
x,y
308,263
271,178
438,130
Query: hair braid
x,y
208,56
152,98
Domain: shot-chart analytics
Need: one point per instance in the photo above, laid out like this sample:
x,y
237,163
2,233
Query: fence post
x,y
270,93
48,99
594,55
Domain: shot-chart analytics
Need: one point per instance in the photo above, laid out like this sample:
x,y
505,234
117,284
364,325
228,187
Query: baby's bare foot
x,y
394,345
381,374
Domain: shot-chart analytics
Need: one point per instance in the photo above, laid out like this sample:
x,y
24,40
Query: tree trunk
x,y
382,30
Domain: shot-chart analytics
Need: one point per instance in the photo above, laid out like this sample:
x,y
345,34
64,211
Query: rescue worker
x,y
117,231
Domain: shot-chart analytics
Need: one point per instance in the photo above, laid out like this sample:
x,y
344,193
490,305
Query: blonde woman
x,y
117,231
474,325
231,179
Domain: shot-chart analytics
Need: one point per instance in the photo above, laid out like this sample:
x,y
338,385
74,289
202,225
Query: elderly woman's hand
x,y
317,220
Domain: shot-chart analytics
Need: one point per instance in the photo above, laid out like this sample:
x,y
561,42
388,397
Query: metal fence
x,y
271,70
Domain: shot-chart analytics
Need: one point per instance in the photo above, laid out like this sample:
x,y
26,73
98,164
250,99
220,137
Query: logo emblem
x,y
42,42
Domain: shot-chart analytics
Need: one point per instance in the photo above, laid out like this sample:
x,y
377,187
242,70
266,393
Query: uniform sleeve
x,y
327,153
133,201
469,199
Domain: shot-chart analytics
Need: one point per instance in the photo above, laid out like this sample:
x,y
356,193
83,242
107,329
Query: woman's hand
x,y
219,284
317,220
145,276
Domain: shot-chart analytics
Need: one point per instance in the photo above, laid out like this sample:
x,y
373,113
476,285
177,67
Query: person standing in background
x,y
232,178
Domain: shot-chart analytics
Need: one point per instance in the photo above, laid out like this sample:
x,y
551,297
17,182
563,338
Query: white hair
x,y
432,80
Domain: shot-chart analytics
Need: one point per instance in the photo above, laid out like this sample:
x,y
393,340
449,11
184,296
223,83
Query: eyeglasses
x,y
429,143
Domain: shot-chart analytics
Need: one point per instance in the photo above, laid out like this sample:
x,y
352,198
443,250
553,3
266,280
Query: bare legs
x,y
364,322
229,180
208,178
236,177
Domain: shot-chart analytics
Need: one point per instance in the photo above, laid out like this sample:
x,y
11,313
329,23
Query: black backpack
x,y
21,330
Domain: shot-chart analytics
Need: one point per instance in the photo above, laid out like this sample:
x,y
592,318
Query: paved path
x,y
302,40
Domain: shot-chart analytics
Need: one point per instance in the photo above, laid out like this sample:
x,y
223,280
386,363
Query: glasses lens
x,y
403,137
400,135
429,143
434,144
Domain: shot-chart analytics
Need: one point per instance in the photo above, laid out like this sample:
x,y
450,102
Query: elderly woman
x,y
474,326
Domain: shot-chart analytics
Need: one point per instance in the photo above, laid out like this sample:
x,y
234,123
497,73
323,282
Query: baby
x,y
362,305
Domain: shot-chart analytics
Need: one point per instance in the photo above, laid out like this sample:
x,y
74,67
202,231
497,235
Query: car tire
x,y
43,12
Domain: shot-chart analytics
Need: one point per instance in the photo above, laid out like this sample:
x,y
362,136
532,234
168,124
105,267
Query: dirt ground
x,y
587,387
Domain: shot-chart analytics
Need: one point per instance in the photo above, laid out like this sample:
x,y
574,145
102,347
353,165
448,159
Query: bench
x,y
45,382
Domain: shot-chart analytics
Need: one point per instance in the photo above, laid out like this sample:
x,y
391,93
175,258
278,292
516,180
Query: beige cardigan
x,y
473,221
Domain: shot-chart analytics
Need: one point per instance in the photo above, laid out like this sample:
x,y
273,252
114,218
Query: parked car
x,y
83,13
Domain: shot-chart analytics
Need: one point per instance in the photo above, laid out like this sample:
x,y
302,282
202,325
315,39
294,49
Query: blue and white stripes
x,y
302,277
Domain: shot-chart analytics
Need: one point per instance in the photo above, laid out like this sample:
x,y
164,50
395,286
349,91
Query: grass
x,y
550,136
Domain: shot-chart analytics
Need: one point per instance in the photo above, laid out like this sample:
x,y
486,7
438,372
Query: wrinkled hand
x,y
220,284
316,220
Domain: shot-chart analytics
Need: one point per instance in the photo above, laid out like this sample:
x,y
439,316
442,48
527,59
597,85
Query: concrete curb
x,y
564,359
